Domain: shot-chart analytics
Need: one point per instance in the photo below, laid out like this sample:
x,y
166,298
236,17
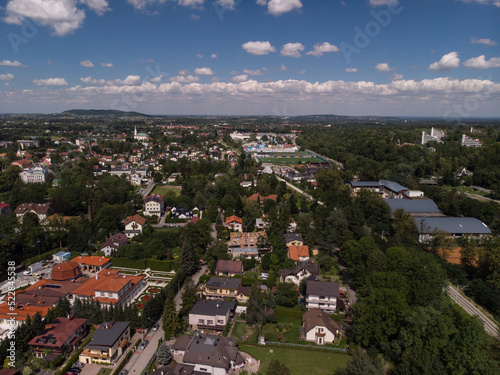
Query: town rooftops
x,y
223,282
393,186
289,237
452,225
229,266
233,218
212,307
39,208
216,351
107,334
65,271
317,317
137,218
153,198
413,205
58,332
323,288
91,260
296,252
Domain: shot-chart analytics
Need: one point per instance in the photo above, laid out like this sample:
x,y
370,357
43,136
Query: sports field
x,y
290,160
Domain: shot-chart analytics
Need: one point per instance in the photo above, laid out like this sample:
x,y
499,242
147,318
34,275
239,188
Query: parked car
x,y
79,364
124,372
156,326
143,345
75,369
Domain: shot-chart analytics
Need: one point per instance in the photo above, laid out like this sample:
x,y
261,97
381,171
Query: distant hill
x,y
102,113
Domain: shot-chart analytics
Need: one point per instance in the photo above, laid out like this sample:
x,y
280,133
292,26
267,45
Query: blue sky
x,y
281,57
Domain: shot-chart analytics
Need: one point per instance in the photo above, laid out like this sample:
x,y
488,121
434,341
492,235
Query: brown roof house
x,y
261,198
65,271
234,223
319,327
134,225
298,253
42,210
113,243
229,267
209,354
302,271
61,336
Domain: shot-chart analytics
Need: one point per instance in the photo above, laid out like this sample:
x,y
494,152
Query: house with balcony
x,y
108,343
322,295
211,314
154,205
229,267
234,223
59,337
221,287
134,225
304,270
319,327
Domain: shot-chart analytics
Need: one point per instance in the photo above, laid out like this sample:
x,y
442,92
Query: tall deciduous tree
x,y
170,318
255,311
189,297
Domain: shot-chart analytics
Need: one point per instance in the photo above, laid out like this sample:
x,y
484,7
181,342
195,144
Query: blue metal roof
x,y
394,186
452,225
413,205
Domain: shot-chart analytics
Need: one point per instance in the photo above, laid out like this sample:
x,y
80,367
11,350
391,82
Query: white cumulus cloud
x,y
377,3
87,63
13,63
292,49
213,56
107,65
351,70
283,68
319,49
184,79
93,81
226,4
50,82
383,67
99,6
279,7
484,2
480,62
204,71
6,77
250,72
258,48
487,41
240,78
448,62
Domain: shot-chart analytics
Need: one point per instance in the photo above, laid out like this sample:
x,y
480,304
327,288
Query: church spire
x,y
135,130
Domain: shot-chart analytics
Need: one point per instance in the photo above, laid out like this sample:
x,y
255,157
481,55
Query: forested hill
x,y
102,113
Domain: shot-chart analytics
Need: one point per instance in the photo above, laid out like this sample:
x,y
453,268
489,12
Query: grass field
x,y
241,329
288,329
467,189
298,361
164,189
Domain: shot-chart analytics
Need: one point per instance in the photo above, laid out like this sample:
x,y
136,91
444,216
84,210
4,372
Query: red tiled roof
x,y
91,260
230,219
65,271
298,251
61,329
137,218
229,266
39,208
4,205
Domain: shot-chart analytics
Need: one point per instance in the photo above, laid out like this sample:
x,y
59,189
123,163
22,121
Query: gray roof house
x,y
107,344
322,295
211,314
294,239
209,354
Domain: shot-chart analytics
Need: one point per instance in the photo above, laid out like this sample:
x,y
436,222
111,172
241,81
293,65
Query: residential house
x,y
261,198
181,213
154,205
42,210
59,337
4,209
246,244
357,186
174,177
391,189
211,314
261,224
34,175
92,264
298,253
134,225
207,354
221,287
319,327
108,343
113,243
322,295
294,239
243,294
304,270
229,267
234,223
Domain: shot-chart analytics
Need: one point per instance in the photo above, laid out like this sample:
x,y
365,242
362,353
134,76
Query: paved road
x,y
148,189
300,191
480,198
140,358
469,307
195,278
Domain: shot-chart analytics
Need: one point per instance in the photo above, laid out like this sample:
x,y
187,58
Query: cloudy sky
x,y
279,57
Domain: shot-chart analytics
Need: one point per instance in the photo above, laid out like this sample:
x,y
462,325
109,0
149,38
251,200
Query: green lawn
x,y
467,189
288,329
241,329
164,189
298,361
290,160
